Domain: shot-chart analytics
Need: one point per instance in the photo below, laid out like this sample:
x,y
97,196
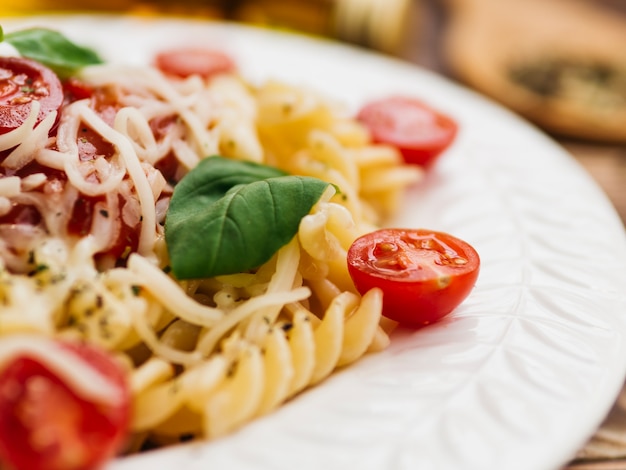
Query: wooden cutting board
x,y
560,63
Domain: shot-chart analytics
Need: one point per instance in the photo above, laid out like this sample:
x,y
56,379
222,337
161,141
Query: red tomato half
x,y
75,90
45,425
188,61
23,81
424,275
419,132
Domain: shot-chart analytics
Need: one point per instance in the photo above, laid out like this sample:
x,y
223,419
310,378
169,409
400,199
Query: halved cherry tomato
x,y
23,81
45,425
75,89
419,132
424,275
126,238
188,61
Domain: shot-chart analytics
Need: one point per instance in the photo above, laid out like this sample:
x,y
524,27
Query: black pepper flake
x,y
38,269
232,369
60,277
104,213
103,323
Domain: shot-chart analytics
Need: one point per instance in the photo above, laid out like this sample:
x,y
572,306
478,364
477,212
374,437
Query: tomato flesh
x,y
121,246
418,131
424,275
75,90
186,61
45,425
23,81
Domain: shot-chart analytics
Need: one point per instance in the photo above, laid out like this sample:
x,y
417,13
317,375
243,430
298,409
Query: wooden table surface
x,y
607,165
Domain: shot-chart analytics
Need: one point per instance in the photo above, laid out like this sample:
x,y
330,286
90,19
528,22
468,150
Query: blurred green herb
x,y
52,49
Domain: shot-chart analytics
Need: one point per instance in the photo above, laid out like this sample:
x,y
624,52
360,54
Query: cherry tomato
x,y
169,166
126,239
106,102
419,132
75,90
423,275
45,425
23,81
21,214
188,61
92,145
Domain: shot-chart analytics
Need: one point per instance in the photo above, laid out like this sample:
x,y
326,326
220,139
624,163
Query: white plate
x,y
524,371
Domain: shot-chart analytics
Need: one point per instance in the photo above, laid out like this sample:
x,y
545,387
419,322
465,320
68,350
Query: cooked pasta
x,y
204,356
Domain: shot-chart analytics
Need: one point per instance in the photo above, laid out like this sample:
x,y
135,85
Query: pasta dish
x,y
84,194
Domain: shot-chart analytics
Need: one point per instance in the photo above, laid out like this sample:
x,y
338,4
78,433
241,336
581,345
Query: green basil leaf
x,y
213,177
228,216
52,49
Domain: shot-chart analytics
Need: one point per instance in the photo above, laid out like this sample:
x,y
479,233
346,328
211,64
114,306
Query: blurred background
x,y
559,63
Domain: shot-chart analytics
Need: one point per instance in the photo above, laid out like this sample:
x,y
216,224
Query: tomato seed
x,y
21,99
41,91
389,247
451,260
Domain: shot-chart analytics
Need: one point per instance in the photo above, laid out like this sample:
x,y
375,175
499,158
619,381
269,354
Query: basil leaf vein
x,y
228,216
52,49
